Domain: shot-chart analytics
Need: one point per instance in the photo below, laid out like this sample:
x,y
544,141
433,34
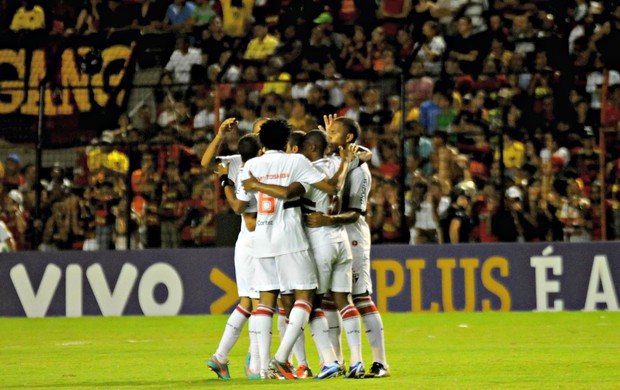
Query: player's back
x,y
278,223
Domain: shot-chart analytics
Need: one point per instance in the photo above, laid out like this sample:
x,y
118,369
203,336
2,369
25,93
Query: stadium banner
x,y
432,278
86,81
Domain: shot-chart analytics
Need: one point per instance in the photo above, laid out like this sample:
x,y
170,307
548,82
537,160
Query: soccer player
x,y
284,261
244,264
340,132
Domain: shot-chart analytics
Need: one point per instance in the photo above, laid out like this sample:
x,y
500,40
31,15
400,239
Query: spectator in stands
x,y
216,44
456,223
178,16
431,49
356,54
201,16
202,229
16,218
88,18
114,16
28,17
236,17
393,14
262,45
57,232
173,191
466,47
182,60
13,178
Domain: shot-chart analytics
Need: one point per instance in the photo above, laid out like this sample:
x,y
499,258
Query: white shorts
x,y
333,263
291,271
362,282
244,272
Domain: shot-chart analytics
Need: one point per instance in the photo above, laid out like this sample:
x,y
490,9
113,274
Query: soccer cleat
x,y
221,369
356,371
268,374
378,370
282,370
246,366
331,371
303,372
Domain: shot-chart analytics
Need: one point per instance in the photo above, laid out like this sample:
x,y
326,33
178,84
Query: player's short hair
x,y
317,138
248,146
274,134
351,126
296,138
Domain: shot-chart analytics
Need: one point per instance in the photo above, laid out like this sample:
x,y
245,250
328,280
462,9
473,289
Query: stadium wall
x,y
497,277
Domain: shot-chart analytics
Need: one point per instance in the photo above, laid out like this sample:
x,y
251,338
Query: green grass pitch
x,y
568,350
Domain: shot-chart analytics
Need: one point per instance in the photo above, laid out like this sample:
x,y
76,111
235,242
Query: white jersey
x,y
355,197
279,228
246,237
317,200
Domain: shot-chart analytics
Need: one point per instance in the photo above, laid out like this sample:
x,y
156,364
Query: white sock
x,y
353,329
282,322
232,332
254,355
299,350
374,328
297,321
320,334
335,327
263,325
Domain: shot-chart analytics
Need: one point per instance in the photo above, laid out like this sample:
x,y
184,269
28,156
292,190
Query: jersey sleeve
x,y
305,173
240,191
358,189
234,166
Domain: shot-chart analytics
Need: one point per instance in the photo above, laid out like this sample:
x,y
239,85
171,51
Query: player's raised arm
x,y
226,126
293,190
335,183
237,205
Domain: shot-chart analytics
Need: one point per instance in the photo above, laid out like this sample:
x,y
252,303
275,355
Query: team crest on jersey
x,y
354,242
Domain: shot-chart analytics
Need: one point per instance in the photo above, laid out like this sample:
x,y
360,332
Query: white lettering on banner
x,y
544,286
160,273
35,304
600,273
74,291
111,301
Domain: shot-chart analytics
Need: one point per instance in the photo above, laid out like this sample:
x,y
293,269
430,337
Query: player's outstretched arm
x,y
237,205
293,190
226,126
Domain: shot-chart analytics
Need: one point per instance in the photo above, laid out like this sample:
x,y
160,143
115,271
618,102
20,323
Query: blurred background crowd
x,y
489,120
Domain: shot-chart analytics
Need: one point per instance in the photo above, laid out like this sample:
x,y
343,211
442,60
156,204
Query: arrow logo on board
x,y
223,303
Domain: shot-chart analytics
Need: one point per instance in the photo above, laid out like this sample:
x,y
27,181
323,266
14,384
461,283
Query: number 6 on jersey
x,y
266,204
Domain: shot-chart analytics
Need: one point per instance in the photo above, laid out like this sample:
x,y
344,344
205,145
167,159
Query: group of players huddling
x,y
304,239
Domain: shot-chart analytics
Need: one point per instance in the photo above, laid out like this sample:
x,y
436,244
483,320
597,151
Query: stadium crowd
x,y
477,73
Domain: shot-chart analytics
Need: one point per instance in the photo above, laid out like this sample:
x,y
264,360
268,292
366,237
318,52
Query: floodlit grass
x,y
570,350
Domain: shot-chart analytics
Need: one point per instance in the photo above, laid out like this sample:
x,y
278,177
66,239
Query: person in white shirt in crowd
x,y
182,60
